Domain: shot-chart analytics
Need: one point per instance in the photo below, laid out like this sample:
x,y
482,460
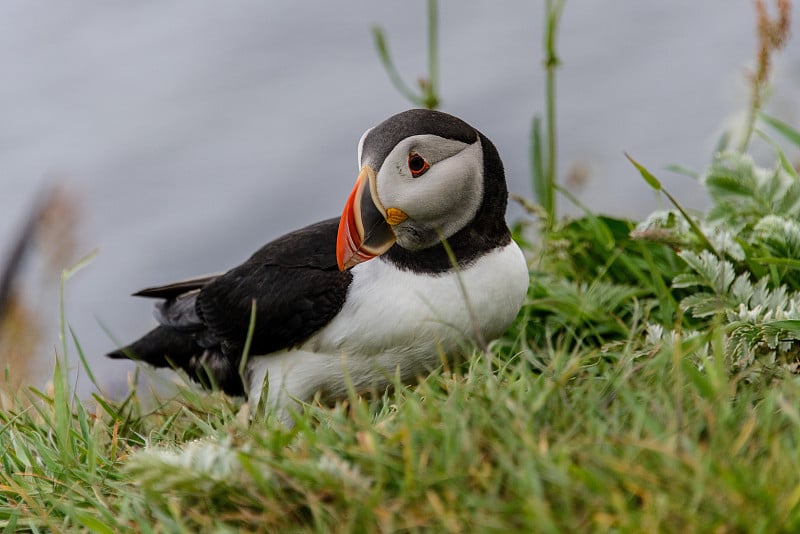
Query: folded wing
x,y
297,289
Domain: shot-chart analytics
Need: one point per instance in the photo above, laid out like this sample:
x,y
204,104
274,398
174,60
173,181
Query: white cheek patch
x,y
445,198
451,188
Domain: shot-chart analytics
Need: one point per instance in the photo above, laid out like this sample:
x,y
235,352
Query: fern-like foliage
x,y
762,323
713,277
749,280
777,237
671,228
592,279
670,280
743,194
598,312
753,220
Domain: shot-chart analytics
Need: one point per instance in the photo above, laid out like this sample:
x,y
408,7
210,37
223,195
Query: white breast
x,y
388,309
395,320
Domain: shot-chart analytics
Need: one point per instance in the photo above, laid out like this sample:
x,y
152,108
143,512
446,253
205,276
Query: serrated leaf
x,y
789,202
718,275
702,305
724,186
687,280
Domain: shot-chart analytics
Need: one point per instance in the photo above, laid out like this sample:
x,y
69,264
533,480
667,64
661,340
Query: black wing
x,y
297,289
295,283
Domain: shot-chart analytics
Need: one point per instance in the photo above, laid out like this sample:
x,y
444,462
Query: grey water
x,y
193,132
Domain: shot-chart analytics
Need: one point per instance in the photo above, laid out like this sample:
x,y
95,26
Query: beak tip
x,y
353,244
341,248
346,260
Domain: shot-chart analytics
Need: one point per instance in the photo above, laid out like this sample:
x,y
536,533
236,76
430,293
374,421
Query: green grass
x,y
559,438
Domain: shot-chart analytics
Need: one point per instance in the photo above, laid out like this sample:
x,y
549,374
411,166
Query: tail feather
x,y
167,347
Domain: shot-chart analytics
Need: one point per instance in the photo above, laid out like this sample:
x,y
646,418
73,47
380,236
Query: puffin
x,y
419,268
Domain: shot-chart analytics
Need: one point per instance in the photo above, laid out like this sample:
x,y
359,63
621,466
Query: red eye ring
x,y
417,164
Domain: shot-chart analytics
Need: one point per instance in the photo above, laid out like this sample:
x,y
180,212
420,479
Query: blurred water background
x,y
193,132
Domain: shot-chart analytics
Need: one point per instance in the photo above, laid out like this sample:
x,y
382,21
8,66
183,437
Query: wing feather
x,y
295,283
174,289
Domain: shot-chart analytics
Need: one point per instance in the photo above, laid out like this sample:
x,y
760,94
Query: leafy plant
x,y
745,269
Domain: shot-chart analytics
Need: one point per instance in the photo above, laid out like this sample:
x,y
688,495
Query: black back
x,y
296,284
297,288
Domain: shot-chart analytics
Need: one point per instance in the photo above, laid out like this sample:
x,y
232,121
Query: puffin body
x,y
419,266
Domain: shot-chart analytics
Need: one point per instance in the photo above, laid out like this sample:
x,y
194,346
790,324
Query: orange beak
x,y
364,232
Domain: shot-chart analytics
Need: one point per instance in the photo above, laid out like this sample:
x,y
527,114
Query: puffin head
x,y
425,176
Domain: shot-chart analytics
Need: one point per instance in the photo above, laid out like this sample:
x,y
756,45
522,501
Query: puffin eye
x,y
417,164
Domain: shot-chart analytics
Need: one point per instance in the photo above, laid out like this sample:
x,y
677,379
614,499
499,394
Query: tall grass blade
x,y
540,182
382,47
791,263
430,88
686,171
84,362
66,274
648,176
656,185
62,415
787,165
251,328
543,146
429,97
788,132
